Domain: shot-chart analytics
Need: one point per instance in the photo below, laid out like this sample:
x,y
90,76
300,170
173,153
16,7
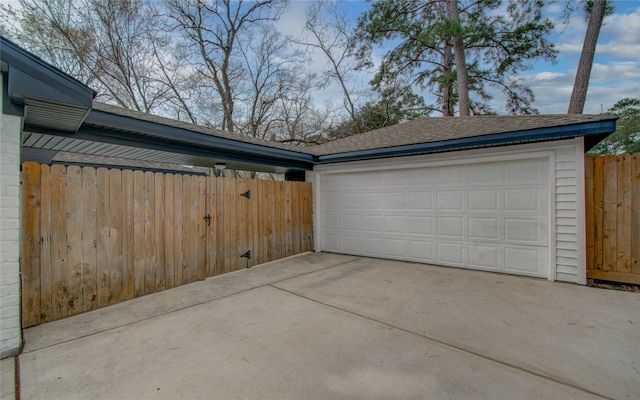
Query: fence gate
x,y
613,217
95,237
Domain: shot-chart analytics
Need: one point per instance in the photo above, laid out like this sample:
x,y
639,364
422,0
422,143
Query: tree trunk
x,y
581,84
448,105
464,106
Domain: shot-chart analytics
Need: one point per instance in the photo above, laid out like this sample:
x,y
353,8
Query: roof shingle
x,y
429,130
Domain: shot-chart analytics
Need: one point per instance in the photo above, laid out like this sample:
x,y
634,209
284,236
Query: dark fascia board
x,y
198,140
42,74
531,135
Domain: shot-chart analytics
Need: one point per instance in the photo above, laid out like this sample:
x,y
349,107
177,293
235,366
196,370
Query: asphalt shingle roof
x,y
429,130
418,131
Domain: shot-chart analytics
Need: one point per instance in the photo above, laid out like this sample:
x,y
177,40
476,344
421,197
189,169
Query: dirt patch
x,y
625,287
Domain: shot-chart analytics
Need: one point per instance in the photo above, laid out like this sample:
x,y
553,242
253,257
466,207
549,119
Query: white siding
x,y
566,231
10,336
567,239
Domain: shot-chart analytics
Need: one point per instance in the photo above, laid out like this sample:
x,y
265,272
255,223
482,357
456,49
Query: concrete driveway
x,y
326,326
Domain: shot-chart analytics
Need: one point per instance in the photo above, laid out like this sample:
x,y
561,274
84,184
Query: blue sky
x,y
615,74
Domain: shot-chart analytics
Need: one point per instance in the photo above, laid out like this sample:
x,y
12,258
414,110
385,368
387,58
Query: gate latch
x,y
208,219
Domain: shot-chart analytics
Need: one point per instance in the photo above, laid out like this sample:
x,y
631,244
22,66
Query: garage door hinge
x,y
247,254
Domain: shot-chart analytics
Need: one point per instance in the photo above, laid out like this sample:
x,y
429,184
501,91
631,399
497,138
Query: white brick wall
x,y
10,334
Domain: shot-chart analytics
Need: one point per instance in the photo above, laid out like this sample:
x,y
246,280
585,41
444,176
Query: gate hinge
x,y
246,194
247,254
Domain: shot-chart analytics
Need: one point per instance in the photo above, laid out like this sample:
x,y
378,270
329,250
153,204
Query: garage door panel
x,y
524,260
372,223
395,201
332,242
450,200
450,253
395,224
331,201
451,226
489,216
372,201
421,225
485,256
331,222
421,200
351,223
351,201
527,230
483,200
373,246
484,228
421,250
522,199
351,244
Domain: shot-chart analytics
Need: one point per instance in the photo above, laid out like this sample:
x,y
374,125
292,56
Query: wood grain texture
x,y
45,243
159,232
103,239
31,244
178,229
138,233
58,242
127,235
168,233
610,213
116,281
589,205
623,231
202,227
74,240
149,240
598,212
89,239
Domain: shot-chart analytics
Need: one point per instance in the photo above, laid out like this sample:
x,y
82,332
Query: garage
x,y
481,215
502,194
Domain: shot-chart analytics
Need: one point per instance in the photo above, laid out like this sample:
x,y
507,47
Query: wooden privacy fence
x,y
94,237
613,217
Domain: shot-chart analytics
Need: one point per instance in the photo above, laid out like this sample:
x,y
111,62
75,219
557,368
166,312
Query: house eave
x,y
484,141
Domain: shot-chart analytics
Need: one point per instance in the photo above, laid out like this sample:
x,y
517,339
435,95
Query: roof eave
x,y
493,140
144,130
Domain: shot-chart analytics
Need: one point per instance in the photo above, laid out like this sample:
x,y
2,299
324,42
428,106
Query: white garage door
x,y
487,216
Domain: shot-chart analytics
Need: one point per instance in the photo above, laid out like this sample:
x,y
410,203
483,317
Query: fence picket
x,y
31,209
45,243
89,239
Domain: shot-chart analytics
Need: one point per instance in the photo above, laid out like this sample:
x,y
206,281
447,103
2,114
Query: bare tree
x,y
330,29
117,47
272,67
211,30
581,83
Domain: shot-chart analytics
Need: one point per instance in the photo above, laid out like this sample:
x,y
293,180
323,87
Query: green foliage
x,y
626,138
498,45
390,110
